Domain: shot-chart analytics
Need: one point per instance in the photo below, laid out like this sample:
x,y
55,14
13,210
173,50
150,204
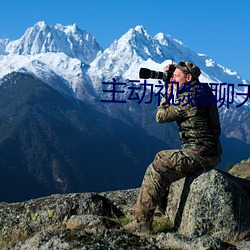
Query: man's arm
x,y
169,113
165,113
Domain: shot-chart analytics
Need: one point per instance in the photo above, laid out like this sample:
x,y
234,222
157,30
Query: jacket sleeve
x,y
168,113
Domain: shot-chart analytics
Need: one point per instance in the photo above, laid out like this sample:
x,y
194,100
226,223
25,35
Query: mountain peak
x,y
133,48
69,28
42,38
140,29
41,24
167,39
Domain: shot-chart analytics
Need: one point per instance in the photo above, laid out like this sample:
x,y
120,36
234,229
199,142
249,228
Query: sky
x,y
217,28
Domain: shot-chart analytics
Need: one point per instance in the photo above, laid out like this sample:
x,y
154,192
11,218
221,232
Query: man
x,y
197,117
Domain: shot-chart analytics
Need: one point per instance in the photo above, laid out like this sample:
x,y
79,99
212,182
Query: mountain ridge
x,y
42,38
55,144
135,49
84,81
34,127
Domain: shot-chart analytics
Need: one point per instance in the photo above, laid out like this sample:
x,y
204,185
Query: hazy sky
x,y
218,28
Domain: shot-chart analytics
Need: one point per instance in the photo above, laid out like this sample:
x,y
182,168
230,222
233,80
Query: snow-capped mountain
x,y
41,38
137,49
74,56
71,61
55,139
64,73
57,55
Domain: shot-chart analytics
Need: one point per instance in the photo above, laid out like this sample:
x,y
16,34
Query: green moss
x,y
34,216
51,214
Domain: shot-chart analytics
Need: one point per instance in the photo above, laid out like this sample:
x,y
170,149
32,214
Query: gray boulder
x,y
210,202
19,221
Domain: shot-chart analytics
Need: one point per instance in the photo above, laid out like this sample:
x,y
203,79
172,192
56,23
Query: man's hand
x,y
170,85
167,68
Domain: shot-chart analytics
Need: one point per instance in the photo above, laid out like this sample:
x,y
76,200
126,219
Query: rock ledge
x,y
208,211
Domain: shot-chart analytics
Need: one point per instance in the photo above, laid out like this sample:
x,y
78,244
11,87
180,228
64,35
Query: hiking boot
x,y
140,227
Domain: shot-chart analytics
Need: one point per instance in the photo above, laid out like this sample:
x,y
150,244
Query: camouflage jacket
x,y
197,118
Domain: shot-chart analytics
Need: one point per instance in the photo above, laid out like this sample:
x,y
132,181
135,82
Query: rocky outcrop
x,y
209,210
210,202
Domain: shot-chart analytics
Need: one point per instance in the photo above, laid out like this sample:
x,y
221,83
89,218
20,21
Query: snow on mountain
x,y
137,49
73,55
63,73
70,60
132,49
42,38
57,55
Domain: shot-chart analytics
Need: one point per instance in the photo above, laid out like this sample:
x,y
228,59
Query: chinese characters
x,y
220,93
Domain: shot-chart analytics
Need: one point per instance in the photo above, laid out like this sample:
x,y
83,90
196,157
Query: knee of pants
x,y
149,170
157,156
153,172
161,154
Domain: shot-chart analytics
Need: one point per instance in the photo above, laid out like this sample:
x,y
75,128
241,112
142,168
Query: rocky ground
x,y
208,211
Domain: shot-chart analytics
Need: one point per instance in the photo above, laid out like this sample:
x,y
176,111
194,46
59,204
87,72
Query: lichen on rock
x,y
211,202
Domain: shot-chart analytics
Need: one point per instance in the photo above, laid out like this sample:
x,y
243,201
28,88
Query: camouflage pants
x,y
167,167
